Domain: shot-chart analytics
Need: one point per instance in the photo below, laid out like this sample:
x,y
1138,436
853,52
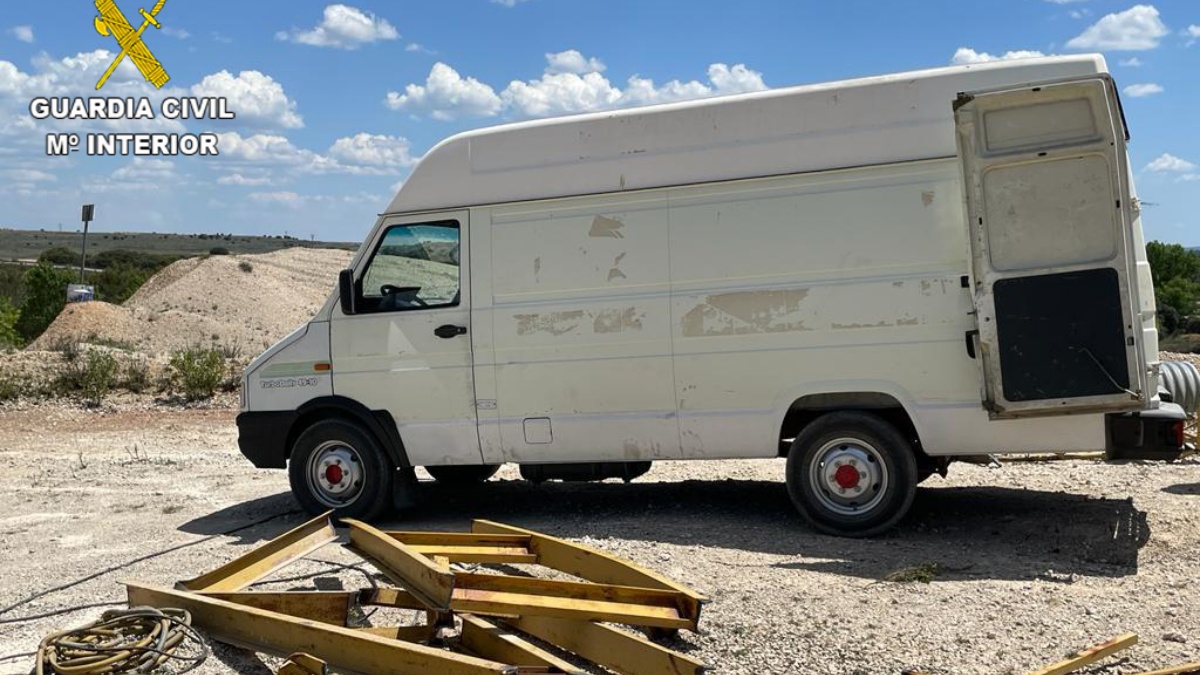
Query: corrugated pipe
x,y
1182,380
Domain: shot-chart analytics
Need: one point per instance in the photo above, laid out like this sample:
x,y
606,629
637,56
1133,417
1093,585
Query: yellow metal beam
x,y
423,538
1089,656
304,664
491,641
568,592
489,555
524,604
1186,669
344,649
594,565
390,597
621,652
402,633
431,582
332,607
266,559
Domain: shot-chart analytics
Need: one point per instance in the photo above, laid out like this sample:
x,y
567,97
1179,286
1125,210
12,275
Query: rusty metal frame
x,y
342,648
266,559
595,566
564,614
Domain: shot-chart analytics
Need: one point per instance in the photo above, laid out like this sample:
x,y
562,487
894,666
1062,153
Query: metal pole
x,y
83,259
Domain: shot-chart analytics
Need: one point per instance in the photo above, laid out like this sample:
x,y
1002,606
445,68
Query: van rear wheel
x,y
337,465
851,474
462,475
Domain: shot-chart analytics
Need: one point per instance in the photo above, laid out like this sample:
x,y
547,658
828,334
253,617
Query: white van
x,y
869,277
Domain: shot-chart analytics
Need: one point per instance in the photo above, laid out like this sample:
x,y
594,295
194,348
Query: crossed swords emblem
x,y
112,22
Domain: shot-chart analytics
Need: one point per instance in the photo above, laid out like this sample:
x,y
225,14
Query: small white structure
x,y
869,277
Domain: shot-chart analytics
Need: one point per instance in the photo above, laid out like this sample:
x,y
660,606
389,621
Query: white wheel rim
x,y
848,476
335,474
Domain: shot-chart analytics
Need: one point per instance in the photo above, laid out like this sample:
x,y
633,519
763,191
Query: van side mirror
x,y
346,291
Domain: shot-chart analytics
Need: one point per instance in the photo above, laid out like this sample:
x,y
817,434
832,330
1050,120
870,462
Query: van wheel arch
x,y
379,423
807,409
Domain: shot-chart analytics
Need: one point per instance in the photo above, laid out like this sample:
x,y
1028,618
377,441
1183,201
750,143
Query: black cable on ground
x,y
148,556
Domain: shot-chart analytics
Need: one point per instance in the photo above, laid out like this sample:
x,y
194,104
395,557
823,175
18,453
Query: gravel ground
x,y
1033,560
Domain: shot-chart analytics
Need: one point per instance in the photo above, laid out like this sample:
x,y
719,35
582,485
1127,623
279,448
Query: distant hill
x,y
29,244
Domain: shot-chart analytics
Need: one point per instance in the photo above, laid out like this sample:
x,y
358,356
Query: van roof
x,y
861,122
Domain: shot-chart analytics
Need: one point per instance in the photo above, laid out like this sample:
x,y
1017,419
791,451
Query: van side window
x,y
415,267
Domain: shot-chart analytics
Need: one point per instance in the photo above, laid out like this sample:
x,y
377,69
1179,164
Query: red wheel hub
x,y
334,474
846,477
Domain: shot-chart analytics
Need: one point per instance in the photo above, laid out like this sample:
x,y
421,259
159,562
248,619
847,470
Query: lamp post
x,y
89,213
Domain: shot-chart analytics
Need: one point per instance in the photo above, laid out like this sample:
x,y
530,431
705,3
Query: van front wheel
x,y
851,474
337,465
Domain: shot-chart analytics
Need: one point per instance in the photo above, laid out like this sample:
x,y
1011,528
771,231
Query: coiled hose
x,y
139,639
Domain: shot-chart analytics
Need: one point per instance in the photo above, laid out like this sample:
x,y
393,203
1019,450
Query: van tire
x,y
851,474
337,465
462,475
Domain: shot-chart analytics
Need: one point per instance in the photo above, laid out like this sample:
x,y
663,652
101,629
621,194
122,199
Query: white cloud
x,y
275,197
1131,62
27,175
1137,28
1142,90
967,56
446,95
572,61
509,3
253,157
1080,13
241,179
1169,163
22,33
178,33
144,170
255,98
1193,31
343,27
559,94
370,150
1190,177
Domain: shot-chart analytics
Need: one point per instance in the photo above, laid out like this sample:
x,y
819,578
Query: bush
x,y
117,283
99,376
198,372
60,255
92,376
136,377
218,250
45,296
9,338
245,266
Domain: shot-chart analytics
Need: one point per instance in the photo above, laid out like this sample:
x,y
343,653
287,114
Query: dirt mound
x,y
241,303
93,322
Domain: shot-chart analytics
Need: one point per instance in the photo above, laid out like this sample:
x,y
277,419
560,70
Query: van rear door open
x,y
1045,178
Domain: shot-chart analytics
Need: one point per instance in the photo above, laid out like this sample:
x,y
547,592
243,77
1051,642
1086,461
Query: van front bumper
x,y
262,437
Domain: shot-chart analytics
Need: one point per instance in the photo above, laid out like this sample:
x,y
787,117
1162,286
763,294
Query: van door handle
x,y
971,337
449,331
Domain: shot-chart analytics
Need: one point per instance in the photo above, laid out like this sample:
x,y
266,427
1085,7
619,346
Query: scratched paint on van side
x,y
746,313
617,320
554,323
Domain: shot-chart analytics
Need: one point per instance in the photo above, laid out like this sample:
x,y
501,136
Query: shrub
x,y
198,372
218,250
10,389
245,266
136,377
9,338
117,283
98,377
60,255
45,296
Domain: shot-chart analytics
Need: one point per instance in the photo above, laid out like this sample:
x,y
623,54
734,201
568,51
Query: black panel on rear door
x,y
1061,335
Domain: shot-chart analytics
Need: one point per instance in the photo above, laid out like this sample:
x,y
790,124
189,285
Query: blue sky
x,y
336,102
